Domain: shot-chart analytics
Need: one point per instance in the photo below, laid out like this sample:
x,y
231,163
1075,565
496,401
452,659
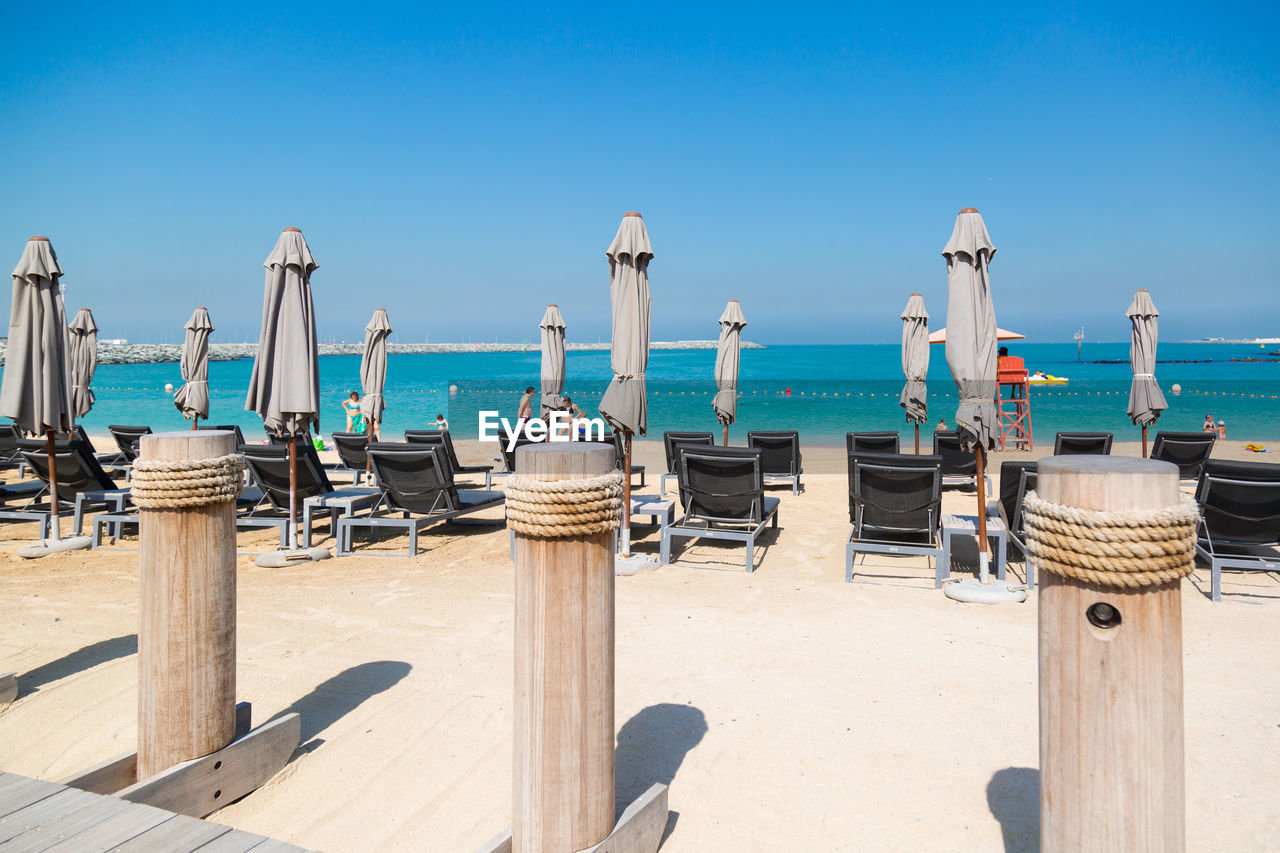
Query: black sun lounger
x,y
1240,528
722,493
895,506
417,485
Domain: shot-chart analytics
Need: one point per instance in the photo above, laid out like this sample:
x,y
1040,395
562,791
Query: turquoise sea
x,y
834,389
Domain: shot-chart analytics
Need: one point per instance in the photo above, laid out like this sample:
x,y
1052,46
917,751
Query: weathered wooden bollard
x,y
1113,537
564,508
196,752
187,636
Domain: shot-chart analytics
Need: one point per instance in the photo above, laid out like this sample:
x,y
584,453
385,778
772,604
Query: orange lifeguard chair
x,y
1013,402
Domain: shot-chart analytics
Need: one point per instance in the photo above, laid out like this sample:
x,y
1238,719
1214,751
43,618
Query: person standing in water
x,y
1208,424
576,413
351,407
441,423
526,407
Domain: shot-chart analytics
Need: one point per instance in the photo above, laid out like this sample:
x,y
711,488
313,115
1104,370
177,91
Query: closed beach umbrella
x,y
732,322
552,330
1146,401
36,391
971,356
284,388
192,399
373,370
624,404
915,362
82,345
971,329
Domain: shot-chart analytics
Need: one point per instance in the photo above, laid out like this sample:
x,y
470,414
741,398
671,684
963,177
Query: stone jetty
x,y
159,353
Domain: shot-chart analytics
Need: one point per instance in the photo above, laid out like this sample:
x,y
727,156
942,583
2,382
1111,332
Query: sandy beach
x,y
787,709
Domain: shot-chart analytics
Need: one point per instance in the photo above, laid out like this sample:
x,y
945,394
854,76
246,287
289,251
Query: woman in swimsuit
x,y
351,406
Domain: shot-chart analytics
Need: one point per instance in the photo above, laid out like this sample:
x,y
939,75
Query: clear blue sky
x,y
463,166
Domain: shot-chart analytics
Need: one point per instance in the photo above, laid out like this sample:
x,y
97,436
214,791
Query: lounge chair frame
x,y
1188,471
883,441
1100,440
1237,555
760,439
956,479
859,544
762,511
413,521
326,500
671,441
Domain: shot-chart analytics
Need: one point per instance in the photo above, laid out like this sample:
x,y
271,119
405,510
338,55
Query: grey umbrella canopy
x,y
284,388
971,328
373,368
1146,401
36,391
915,359
82,345
624,405
971,355
192,399
732,322
551,328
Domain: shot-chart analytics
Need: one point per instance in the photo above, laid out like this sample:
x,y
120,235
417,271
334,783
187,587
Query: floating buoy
x,y
168,386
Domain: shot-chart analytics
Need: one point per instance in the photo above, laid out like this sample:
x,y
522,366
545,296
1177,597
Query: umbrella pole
x,y
626,494
195,422
917,438
293,491
55,522
984,571
1144,441
726,435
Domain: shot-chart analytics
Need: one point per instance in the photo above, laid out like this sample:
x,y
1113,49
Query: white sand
x,y
787,709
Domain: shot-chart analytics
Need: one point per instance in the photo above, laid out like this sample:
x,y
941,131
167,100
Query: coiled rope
x,y
1129,550
563,509
159,484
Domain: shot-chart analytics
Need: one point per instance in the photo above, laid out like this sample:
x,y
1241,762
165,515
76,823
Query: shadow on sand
x,y
1013,795
81,659
651,747
335,697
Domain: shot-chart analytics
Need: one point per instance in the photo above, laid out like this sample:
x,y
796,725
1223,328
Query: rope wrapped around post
x,y
563,509
159,484
1126,550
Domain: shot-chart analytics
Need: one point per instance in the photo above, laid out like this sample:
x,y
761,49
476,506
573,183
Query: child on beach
x,y
1222,430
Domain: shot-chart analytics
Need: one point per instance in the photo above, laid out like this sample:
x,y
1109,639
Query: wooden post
x,y
1111,738
293,491
187,635
917,438
55,517
1144,441
625,531
726,435
980,484
564,737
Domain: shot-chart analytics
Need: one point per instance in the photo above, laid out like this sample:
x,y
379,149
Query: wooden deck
x,y
43,816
